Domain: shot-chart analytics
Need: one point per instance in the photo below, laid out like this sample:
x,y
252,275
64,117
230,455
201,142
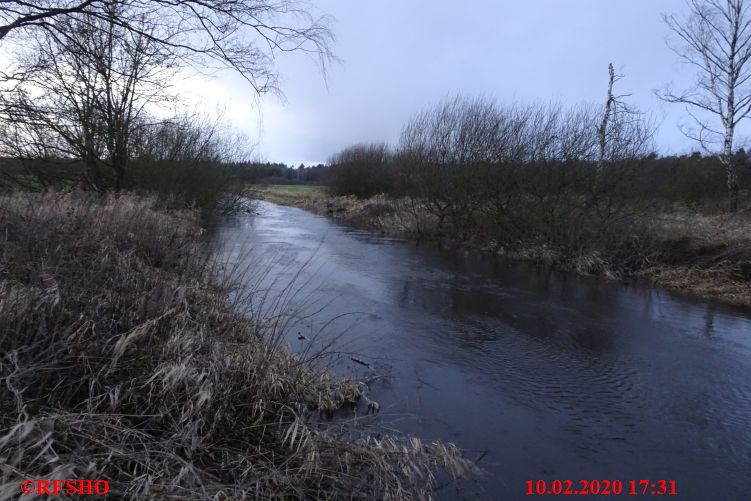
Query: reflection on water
x,y
543,374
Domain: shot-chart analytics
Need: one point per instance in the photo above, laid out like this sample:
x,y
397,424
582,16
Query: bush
x,y
362,170
206,185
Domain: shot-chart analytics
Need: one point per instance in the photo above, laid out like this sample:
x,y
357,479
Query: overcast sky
x,y
399,56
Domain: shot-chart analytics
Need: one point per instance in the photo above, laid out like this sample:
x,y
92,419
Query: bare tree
x,y
189,138
243,35
610,105
81,97
624,133
443,149
715,38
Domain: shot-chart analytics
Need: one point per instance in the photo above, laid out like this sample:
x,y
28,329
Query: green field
x,y
294,195
295,188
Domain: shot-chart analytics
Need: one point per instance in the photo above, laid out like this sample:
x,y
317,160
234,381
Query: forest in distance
x,y
133,354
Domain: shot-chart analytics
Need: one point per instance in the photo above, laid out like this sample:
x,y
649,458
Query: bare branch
x,y
242,35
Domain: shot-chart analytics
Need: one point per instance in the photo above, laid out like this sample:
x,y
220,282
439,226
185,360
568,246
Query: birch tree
x,y
715,39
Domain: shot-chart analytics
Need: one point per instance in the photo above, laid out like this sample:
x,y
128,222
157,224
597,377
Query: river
x,y
537,374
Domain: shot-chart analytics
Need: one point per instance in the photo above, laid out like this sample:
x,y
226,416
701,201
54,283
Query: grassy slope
x,y
121,359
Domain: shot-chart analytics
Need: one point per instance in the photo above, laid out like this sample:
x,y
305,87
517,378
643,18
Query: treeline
x,y
691,181
531,173
279,173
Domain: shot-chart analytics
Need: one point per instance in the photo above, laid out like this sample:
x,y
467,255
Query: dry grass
x,y
705,255
394,217
121,359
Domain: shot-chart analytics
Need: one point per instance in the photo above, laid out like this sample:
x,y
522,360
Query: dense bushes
x,y
203,184
185,161
540,174
362,170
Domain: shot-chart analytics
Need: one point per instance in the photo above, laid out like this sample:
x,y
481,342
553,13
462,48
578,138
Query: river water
x,y
537,374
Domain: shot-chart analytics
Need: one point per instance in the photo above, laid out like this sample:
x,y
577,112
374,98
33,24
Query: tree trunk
x,y
90,178
729,162
602,130
732,174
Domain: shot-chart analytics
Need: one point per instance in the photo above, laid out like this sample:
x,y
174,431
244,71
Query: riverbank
x,y
126,362
706,256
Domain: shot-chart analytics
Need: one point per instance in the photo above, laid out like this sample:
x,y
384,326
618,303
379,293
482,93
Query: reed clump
x,y
121,359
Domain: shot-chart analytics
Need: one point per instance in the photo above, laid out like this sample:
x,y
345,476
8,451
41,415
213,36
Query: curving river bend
x,y
542,375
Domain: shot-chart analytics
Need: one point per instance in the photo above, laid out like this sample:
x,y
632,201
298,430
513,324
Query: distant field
x,y
294,195
295,188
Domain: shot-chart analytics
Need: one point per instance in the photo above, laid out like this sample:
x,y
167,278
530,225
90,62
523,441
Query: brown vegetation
x,y
121,359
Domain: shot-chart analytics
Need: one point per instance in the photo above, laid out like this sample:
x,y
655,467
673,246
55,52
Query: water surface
x,y
542,375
